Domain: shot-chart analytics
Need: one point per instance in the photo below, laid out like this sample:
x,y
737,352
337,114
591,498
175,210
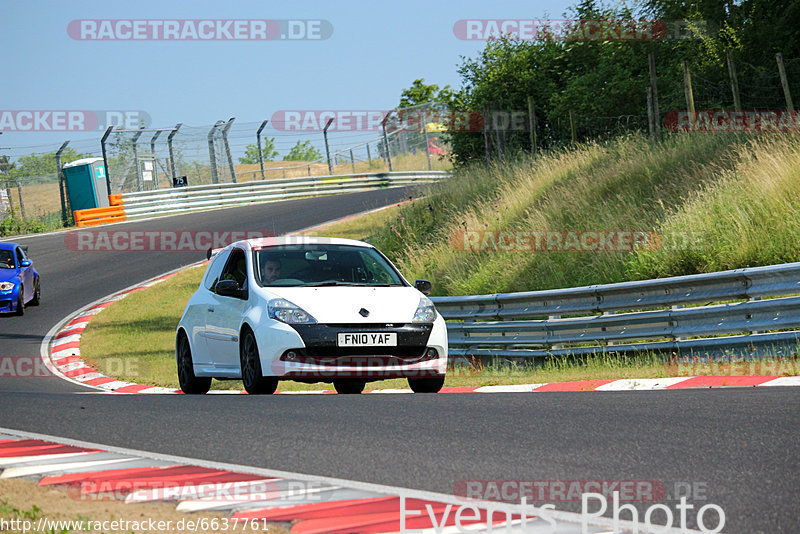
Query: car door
x,y
225,316
25,274
196,317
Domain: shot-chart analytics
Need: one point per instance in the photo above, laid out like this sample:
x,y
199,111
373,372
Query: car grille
x,y
321,349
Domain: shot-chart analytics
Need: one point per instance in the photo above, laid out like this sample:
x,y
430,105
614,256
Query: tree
x,y
41,165
422,93
251,152
303,151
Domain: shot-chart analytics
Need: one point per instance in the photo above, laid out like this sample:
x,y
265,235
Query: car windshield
x,y
6,259
323,265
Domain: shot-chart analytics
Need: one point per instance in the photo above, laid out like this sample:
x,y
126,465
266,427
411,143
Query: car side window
x,y
236,268
214,270
20,257
6,259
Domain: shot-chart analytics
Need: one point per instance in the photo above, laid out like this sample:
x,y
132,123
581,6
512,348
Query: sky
x,y
376,49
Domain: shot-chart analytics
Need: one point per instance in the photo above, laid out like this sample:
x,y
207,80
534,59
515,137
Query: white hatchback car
x,y
309,309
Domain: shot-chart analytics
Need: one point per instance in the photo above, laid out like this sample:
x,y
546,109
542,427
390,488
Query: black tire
x,y
349,387
426,385
20,303
189,383
254,382
37,294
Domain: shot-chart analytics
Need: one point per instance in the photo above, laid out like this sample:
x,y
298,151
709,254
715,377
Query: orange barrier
x,y
98,216
115,200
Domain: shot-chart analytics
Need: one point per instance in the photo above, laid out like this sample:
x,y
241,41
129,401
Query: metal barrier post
x,y
105,157
61,191
211,155
225,131
260,155
136,159
171,151
386,142
155,158
327,148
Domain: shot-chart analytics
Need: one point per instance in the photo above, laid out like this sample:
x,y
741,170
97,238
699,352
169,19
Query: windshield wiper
x,y
327,283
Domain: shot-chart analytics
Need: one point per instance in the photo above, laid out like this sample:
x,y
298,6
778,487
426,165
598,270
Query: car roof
x,y
7,246
265,242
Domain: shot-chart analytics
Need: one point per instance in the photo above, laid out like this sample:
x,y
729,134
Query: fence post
x,y
352,161
651,59
155,158
572,128
105,157
61,191
487,137
386,142
687,90
136,158
427,145
19,192
211,155
225,131
495,115
650,116
532,124
784,82
327,148
171,151
260,155
737,102
369,157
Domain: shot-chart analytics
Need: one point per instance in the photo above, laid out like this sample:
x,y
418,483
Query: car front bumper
x,y
421,351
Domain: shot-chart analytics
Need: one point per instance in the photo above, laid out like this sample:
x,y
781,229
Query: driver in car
x,y
270,270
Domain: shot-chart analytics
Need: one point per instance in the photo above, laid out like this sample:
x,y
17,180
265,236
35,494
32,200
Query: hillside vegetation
x,y
709,202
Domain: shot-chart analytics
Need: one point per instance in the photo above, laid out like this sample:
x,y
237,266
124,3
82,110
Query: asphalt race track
x,y
736,448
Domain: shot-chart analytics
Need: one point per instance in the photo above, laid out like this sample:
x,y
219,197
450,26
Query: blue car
x,y
19,281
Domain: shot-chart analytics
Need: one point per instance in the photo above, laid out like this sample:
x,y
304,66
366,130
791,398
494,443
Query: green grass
x,y
720,201
13,224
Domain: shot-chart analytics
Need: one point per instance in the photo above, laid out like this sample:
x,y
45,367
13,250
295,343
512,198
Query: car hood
x,y
9,275
342,304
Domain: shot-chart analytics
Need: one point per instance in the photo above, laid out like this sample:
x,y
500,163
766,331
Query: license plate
x,y
367,339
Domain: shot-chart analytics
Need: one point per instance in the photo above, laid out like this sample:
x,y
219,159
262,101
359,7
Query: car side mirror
x,y
26,263
423,286
229,288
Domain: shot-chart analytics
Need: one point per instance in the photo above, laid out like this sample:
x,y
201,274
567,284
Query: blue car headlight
x,y
6,286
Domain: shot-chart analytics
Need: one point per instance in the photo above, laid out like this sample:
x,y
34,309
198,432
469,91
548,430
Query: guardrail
x,y
756,310
200,197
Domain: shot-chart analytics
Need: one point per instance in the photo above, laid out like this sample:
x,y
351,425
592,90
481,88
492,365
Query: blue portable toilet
x,y
86,184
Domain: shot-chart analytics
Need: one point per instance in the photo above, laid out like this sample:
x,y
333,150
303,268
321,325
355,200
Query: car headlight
x,y
425,313
287,312
6,286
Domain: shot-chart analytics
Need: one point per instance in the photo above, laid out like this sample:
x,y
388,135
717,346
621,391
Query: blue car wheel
x,y
37,294
20,303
